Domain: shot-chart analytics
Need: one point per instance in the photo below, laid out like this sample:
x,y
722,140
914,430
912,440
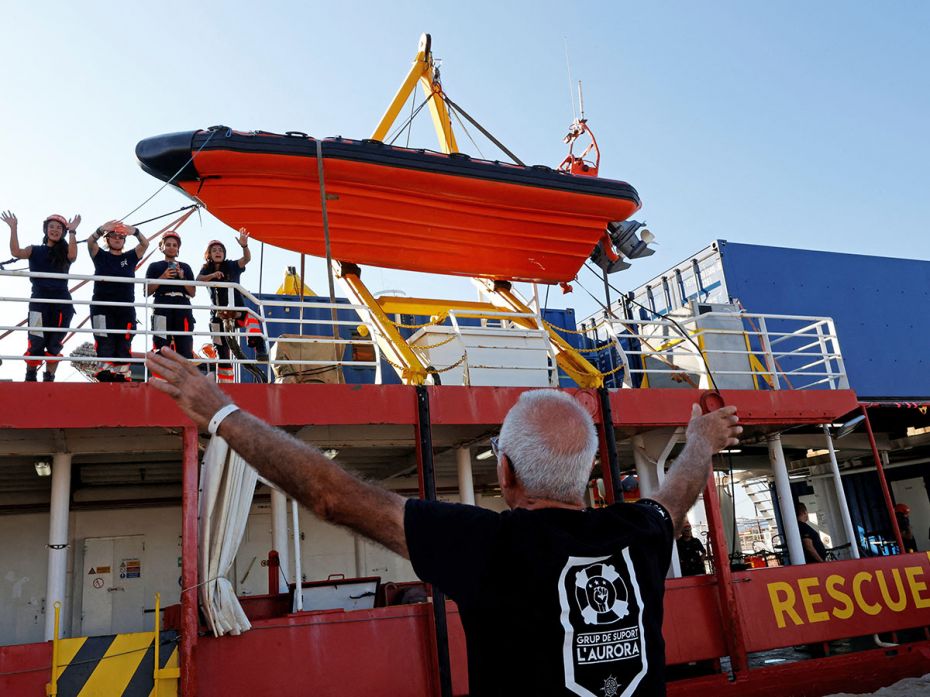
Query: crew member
x,y
218,268
902,512
691,553
814,551
554,598
114,324
48,321
168,321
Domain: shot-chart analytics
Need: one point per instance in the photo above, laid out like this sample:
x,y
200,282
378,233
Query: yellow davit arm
x,y
423,71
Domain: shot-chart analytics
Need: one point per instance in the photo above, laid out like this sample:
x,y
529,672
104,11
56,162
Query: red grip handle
x,y
711,401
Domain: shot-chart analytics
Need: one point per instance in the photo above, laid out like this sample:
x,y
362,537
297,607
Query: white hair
x,y
550,440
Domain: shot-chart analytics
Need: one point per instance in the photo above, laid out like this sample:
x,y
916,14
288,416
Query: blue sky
x,y
793,123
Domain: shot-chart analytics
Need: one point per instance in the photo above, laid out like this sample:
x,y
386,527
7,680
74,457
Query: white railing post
x,y
770,364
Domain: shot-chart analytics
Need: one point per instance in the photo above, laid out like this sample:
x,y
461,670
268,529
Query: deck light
x,y
43,468
849,427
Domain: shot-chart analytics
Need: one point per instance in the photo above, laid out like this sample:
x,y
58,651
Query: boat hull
x,y
395,207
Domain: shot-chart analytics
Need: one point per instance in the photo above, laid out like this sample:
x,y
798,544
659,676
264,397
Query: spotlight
x,y
43,468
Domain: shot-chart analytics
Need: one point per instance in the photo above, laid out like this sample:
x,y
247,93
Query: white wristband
x,y
220,416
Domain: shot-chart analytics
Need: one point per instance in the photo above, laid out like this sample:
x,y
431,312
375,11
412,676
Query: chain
x,y
452,337
550,325
401,325
596,348
430,371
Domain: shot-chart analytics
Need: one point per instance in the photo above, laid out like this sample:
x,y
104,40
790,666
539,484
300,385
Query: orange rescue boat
x,y
394,207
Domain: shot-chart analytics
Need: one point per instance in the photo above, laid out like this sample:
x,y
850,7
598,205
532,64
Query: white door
x,y
914,494
113,599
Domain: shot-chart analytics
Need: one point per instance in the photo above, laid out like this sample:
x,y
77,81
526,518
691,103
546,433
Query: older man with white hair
x,y
555,598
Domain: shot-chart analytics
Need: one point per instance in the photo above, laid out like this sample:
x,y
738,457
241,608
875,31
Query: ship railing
x,y
740,350
85,359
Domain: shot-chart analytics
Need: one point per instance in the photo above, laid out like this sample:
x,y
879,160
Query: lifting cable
x,y
484,131
395,134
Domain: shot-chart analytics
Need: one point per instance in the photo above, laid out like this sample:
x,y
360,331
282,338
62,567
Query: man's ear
x,y
508,475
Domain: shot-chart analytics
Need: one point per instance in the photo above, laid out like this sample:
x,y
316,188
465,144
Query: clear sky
x,y
793,123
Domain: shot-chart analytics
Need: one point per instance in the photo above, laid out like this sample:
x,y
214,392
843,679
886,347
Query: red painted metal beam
x,y
189,588
139,405
733,634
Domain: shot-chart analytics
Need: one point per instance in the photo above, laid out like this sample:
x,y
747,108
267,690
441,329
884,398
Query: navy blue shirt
x,y
157,268
109,264
232,272
41,260
553,601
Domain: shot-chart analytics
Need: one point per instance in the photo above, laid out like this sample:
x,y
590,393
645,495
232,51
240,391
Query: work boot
x,y
104,376
48,377
32,374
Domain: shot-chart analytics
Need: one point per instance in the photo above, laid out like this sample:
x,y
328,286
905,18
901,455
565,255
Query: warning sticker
x,y
98,582
92,572
95,570
130,568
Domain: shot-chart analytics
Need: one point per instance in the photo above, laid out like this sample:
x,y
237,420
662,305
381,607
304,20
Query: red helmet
x,y
206,254
902,508
55,218
170,233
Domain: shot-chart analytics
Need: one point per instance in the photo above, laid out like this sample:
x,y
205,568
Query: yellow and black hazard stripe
x,y
119,665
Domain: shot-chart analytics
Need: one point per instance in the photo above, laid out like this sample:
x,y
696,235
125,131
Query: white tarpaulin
x,y
227,484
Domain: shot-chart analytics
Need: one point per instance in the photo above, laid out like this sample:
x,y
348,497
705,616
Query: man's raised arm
x,y
706,435
299,469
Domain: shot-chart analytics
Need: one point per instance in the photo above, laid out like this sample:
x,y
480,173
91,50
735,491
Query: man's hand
x,y
199,398
707,434
714,431
10,219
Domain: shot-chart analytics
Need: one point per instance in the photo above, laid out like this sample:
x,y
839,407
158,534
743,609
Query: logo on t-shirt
x,y
604,648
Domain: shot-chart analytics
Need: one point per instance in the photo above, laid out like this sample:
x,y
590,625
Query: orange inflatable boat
x,y
394,207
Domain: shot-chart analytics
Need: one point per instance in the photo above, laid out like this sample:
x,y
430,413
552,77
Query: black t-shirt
x,y
232,272
691,556
41,260
170,293
109,264
553,601
807,532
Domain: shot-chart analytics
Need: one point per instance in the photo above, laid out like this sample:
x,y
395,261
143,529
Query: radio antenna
x,y
571,91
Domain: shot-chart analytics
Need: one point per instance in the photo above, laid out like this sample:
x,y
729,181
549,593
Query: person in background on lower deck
x,y
902,512
814,551
116,344
691,553
218,268
54,255
168,321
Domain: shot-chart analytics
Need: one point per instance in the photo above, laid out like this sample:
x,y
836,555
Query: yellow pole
x,y
52,688
156,639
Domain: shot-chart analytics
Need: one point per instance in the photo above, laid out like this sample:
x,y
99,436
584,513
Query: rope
x,y
174,176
